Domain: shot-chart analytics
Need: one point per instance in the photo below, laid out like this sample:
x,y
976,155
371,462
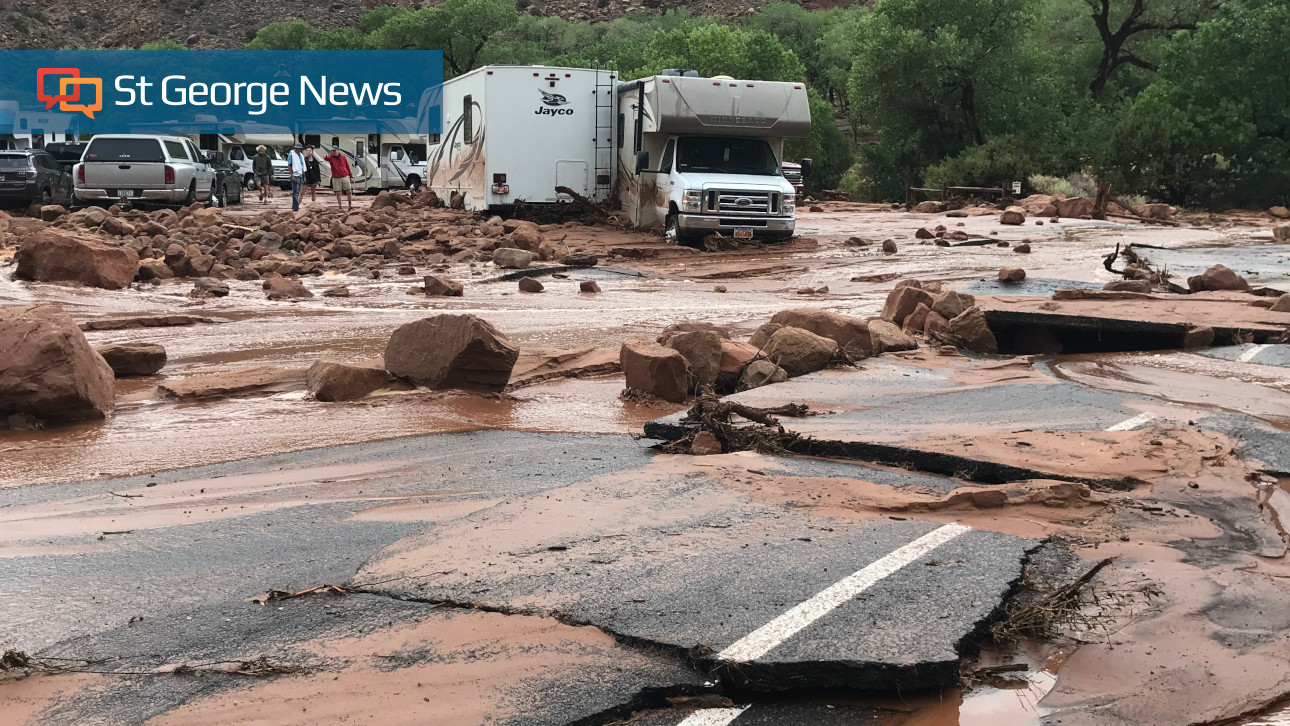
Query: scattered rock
x,y
259,379
406,270
133,359
588,286
718,288
1154,211
285,288
50,212
1074,208
1198,336
761,372
930,207
1282,304
924,233
799,351
580,259
1023,248
702,350
734,356
1012,274
705,443
889,247
154,270
850,333
686,326
887,337
971,329
1013,215
436,286
330,380
64,255
48,369
1217,277
510,258
208,287
762,334
530,284
451,351
1278,212
1282,233
336,291
951,303
916,320
902,301
656,370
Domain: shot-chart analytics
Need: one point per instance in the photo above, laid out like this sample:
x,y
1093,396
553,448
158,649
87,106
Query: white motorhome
x,y
703,155
385,160
691,155
513,134
240,147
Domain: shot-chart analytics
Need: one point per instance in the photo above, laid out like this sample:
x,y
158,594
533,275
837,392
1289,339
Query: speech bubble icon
x,y
87,108
49,100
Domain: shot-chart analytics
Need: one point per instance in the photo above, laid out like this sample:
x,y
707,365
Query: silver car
x,y
143,168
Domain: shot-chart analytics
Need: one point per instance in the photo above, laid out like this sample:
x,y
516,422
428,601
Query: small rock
x,y
888,337
654,369
1023,248
529,284
510,258
924,233
285,288
406,270
1128,286
799,351
1013,215
588,286
337,291
705,443
1218,277
970,327
1282,304
889,247
330,380
580,259
133,359
436,286
208,287
761,372
1278,212
718,288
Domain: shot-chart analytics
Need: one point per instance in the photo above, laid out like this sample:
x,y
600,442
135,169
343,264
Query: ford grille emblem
x,y
743,201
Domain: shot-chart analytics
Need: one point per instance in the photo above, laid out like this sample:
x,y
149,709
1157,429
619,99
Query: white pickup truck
x,y
143,168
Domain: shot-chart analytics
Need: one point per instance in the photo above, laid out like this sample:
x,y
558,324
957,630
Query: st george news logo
x,y
69,101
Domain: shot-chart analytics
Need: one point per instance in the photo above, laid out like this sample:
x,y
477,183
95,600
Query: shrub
x,y
996,163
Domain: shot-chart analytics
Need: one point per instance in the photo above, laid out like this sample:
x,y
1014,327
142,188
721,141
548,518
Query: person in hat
x,y
296,165
262,168
342,179
313,173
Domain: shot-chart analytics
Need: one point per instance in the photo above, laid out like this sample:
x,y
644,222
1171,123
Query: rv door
x,y
572,174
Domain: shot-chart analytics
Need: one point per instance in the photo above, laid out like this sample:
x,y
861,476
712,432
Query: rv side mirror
x,y
397,155
806,167
642,161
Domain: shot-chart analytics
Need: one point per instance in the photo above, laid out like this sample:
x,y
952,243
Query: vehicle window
x,y
665,165
434,139
236,154
9,162
468,120
359,148
726,156
416,153
193,153
621,127
110,149
176,150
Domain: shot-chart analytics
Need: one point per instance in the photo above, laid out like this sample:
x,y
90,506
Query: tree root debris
x,y
16,664
763,434
1075,609
277,595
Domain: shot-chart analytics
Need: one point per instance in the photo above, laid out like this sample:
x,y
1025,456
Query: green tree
x,y
282,36
828,149
1124,25
715,50
1213,128
803,32
338,39
460,28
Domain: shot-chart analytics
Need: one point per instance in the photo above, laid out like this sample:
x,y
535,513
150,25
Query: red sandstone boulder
x,y
451,351
48,370
64,255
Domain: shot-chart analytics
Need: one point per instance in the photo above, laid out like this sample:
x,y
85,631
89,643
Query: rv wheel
x,y
414,183
672,229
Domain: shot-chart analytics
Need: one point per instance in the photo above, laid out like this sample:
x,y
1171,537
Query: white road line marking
x,y
1248,355
1132,423
762,640
713,716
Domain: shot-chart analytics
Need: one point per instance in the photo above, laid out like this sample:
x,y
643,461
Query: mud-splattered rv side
x,y
703,155
513,134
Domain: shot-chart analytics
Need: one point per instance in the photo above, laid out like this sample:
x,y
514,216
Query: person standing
x,y
342,179
313,173
262,168
296,165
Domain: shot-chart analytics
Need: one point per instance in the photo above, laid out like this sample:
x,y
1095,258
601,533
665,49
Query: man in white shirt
x,y
296,163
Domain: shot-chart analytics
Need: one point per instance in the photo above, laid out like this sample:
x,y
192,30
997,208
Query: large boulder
x,y
1282,233
511,258
972,331
285,288
65,255
530,284
851,334
951,303
47,368
1217,277
1013,215
436,286
1128,286
761,336
1154,211
686,326
133,359
902,301
799,351
330,380
1011,274
734,357
1075,207
451,351
1281,304
761,372
655,369
888,337
702,350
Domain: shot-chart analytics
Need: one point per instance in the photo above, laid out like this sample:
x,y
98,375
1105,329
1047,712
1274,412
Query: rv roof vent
x,y
679,72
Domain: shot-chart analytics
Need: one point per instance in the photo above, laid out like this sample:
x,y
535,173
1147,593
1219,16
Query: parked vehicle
x,y
692,155
33,175
240,155
143,168
66,154
793,173
228,180
388,159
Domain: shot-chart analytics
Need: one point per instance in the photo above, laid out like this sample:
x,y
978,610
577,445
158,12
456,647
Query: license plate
x,y
743,232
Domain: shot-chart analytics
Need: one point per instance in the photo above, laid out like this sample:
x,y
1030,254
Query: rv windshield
x,y
715,155
249,149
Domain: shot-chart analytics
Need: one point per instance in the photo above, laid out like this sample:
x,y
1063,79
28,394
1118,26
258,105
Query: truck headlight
x,y
789,204
692,200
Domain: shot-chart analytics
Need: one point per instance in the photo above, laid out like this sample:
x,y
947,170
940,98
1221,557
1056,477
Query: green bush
x,y
857,184
996,163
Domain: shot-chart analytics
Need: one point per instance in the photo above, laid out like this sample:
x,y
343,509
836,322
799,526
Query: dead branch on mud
x,y
1077,607
276,595
763,433
587,204
16,664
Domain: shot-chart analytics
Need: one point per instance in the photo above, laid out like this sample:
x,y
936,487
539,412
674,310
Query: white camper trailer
x,y
513,134
239,143
703,155
389,158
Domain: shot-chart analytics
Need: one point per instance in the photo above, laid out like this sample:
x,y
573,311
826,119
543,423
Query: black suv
x,y
33,175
